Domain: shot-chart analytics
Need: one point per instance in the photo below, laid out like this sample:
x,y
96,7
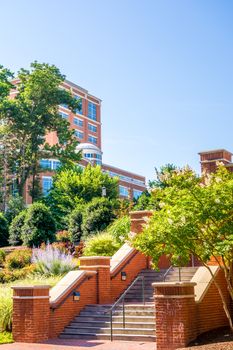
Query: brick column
x,y
100,264
138,219
31,314
175,314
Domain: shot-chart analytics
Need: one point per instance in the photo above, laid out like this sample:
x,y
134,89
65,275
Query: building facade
x,y
209,160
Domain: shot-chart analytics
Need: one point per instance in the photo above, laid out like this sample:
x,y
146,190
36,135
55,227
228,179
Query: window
x,y
79,134
88,155
79,111
47,182
91,111
123,191
98,156
56,164
64,105
64,115
92,139
136,193
46,163
92,127
98,162
78,122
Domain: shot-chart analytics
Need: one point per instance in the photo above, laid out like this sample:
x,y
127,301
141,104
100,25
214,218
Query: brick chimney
x,y
209,159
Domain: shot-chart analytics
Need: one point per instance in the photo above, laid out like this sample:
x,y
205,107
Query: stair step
x,y
128,337
107,330
116,318
103,324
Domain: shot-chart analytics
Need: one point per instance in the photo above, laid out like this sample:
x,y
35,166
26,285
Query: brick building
x,y
87,125
209,159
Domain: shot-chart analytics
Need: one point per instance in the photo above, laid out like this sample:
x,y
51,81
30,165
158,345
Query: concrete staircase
x,y
93,321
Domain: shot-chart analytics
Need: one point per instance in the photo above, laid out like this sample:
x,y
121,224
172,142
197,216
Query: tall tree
x,y
195,218
29,116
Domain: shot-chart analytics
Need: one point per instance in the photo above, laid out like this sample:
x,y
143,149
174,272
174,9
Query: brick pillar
x,y
31,311
100,264
175,311
138,219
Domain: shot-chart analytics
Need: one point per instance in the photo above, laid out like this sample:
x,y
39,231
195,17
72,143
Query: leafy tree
x,y
120,229
39,226
28,118
3,231
15,230
196,218
75,223
73,186
162,176
99,213
14,207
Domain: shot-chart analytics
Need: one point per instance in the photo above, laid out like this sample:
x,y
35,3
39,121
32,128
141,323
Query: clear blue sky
x,y
164,70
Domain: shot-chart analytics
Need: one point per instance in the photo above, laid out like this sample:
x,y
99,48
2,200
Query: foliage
x,y
26,120
7,275
2,256
5,310
120,229
15,230
103,244
75,223
6,338
14,207
19,258
162,176
146,202
63,236
196,218
74,186
99,213
39,226
51,261
3,231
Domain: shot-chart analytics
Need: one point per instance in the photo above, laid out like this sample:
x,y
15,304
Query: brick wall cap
x,y
173,284
31,287
141,212
215,151
95,257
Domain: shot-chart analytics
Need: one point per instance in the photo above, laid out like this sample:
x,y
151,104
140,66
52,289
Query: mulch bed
x,y
220,339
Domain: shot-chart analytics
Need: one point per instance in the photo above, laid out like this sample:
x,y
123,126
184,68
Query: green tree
x,y
75,223
3,231
39,226
14,207
73,186
15,229
195,218
29,117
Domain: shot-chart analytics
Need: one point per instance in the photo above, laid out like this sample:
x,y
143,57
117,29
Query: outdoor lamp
x,y
123,276
76,296
104,192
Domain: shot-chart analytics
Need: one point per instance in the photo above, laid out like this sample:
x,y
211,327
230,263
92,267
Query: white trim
x,y
31,297
174,296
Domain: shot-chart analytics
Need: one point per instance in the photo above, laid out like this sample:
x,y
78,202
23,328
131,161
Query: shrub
x,y
51,261
99,213
7,276
15,231
75,224
6,307
63,236
120,229
18,259
39,226
2,256
102,244
3,231
15,206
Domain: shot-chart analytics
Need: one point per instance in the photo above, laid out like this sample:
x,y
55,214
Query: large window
x,y
136,193
47,182
78,122
92,139
63,115
92,127
79,111
124,191
92,111
79,134
51,164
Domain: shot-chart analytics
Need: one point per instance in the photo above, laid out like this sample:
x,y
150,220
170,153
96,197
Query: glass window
x,y
46,163
79,111
56,164
92,127
98,156
78,122
79,134
123,191
92,139
64,105
91,111
47,182
136,193
64,115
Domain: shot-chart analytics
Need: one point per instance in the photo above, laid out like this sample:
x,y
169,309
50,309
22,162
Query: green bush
x,y
15,230
75,224
6,307
102,244
2,256
63,236
18,259
7,276
99,213
14,206
120,229
3,231
39,226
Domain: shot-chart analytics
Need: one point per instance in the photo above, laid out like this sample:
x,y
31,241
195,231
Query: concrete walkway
x,y
71,344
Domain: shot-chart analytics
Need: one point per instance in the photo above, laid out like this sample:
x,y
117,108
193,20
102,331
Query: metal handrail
x,y
122,298
168,270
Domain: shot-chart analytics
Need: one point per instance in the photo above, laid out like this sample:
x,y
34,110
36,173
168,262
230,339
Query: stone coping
x,y
174,284
120,256
141,212
31,287
203,280
94,257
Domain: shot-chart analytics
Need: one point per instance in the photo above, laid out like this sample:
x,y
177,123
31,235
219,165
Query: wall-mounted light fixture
x,y
76,296
104,191
123,275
